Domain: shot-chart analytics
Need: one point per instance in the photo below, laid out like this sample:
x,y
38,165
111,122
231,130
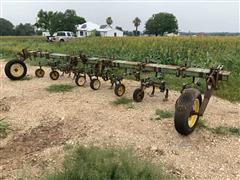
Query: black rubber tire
x,y
39,73
93,84
54,75
80,77
8,66
138,95
118,88
183,110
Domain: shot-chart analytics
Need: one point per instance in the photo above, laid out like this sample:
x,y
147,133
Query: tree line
x,y
8,29
50,21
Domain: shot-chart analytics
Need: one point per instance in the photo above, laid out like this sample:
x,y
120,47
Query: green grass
x,y
202,124
4,128
200,51
26,78
105,163
224,130
234,130
60,88
123,100
163,114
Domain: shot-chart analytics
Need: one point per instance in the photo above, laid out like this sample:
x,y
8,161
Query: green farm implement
x,y
188,108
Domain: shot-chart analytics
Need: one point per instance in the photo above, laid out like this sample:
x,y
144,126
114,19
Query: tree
x,y
127,33
24,30
136,23
71,20
6,27
45,20
161,23
109,21
56,21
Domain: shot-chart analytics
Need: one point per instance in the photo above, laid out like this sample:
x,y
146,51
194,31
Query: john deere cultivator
x,y
188,108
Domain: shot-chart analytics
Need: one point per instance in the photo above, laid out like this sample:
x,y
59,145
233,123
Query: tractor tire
x,y
15,69
95,84
138,95
80,80
39,73
54,75
119,90
186,111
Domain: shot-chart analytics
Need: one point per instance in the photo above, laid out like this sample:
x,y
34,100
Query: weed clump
x,y
224,130
60,88
106,163
122,100
26,78
4,127
163,114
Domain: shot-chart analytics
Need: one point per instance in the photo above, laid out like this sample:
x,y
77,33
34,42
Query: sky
x,y
192,15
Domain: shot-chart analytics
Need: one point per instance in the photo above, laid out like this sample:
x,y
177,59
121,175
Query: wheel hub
x,y
96,83
17,70
120,90
81,80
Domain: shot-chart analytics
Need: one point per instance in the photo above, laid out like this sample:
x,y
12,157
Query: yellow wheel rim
x,y
120,90
193,118
17,70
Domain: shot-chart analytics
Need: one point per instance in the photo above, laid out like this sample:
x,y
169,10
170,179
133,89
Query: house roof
x,y
103,26
88,26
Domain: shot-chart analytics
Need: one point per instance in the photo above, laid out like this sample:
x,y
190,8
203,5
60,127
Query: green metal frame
x,y
141,71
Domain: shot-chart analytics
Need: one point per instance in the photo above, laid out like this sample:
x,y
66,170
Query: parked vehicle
x,y
61,36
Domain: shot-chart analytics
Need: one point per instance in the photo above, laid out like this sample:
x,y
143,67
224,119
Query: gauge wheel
x,y
80,80
95,84
15,69
119,89
54,75
39,73
138,95
187,111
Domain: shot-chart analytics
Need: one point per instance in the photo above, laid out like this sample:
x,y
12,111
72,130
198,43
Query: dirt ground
x,y
43,123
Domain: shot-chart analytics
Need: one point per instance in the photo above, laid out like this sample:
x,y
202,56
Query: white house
x,y
108,31
87,28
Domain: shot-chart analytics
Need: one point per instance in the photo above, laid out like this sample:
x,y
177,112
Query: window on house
x,y
81,33
115,34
